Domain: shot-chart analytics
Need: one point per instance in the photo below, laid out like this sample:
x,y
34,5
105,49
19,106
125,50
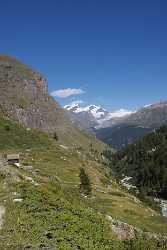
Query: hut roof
x,y
13,156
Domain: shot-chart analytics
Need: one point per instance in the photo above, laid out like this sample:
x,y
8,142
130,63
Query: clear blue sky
x,y
115,50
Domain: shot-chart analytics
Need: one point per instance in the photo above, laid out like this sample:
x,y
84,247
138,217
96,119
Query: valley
x,y
83,125
41,202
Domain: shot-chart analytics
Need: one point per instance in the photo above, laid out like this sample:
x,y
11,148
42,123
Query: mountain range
x,y
93,116
122,127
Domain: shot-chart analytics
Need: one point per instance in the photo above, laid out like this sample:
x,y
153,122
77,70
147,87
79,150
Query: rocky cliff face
x,y
24,98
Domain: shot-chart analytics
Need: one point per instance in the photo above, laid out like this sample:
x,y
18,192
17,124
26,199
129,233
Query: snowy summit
x,y
97,113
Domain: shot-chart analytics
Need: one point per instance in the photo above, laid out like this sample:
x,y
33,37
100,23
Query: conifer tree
x,y
85,186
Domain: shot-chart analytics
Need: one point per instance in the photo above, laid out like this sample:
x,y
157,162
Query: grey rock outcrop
x,y
24,98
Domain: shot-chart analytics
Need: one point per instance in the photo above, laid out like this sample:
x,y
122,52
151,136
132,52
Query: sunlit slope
x,y
52,212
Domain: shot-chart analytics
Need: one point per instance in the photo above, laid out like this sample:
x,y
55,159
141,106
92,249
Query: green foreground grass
x,y
53,214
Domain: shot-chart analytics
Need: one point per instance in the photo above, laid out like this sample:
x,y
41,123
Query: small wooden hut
x,y
13,158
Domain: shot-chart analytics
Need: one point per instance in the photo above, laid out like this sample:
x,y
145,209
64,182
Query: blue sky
x,y
113,50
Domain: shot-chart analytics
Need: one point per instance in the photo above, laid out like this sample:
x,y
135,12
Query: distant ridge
x,y
121,127
135,126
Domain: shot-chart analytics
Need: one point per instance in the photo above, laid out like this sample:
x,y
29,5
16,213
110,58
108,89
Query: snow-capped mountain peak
x,y
96,113
72,107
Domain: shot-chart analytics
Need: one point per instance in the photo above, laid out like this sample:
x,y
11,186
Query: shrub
x,y
85,186
7,127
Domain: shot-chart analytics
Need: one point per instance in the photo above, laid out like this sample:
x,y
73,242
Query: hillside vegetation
x,y
44,207
121,135
146,162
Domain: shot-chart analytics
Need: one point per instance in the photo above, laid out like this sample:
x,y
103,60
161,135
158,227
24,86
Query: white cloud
x,y
64,93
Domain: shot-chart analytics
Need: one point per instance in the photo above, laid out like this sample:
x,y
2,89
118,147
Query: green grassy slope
x,y
52,213
16,137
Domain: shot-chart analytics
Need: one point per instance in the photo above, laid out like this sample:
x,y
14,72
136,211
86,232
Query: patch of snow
x,y
156,104
73,104
148,105
96,111
99,113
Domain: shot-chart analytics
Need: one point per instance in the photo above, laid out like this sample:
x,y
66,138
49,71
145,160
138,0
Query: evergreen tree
x,y
85,186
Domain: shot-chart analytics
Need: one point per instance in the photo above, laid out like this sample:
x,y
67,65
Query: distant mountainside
x,y
118,128
121,135
153,115
24,98
84,118
94,117
145,162
135,126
